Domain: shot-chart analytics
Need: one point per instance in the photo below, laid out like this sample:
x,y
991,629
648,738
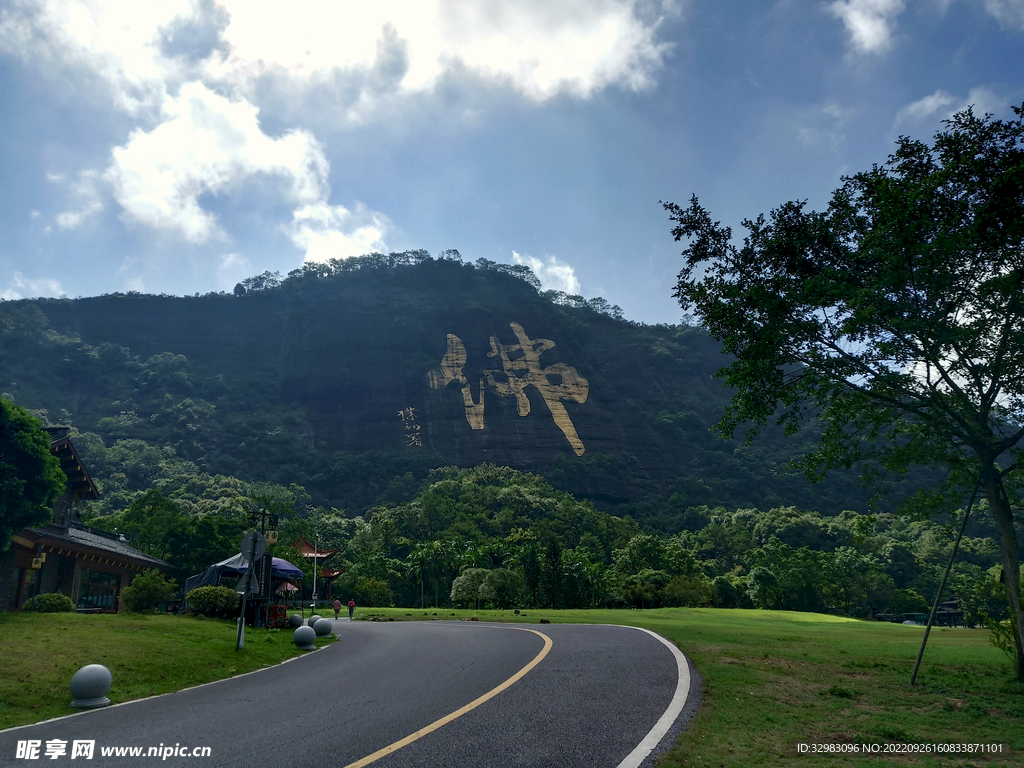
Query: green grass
x,y
773,679
146,655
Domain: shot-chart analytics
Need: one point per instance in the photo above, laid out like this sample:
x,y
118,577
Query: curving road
x,y
591,697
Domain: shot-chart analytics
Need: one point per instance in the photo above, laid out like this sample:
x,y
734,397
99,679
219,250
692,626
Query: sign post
x,y
253,547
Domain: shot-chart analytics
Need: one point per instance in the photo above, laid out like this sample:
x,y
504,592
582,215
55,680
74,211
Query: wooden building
x,y
311,552
88,565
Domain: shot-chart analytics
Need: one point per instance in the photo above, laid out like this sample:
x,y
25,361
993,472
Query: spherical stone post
x,y
89,686
313,620
295,620
305,639
323,627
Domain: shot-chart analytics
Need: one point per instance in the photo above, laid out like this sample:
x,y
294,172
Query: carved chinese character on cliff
x,y
451,370
520,368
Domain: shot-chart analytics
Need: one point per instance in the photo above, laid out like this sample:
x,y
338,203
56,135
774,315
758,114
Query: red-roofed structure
x,y
309,551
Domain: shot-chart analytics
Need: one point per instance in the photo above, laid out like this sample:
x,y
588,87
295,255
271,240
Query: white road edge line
x,y
657,733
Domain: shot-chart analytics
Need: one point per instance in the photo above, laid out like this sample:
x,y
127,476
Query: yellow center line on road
x,y
463,710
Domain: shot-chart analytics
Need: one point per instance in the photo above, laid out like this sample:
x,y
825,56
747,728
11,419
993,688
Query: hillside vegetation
x,y
371,404
321,380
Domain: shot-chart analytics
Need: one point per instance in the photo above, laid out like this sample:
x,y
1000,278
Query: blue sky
x,y
178,147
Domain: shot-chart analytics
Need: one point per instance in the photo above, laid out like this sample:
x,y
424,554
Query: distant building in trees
x,y
65,556
311,552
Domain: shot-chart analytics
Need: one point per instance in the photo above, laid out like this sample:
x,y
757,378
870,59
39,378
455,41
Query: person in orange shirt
x,y
337,607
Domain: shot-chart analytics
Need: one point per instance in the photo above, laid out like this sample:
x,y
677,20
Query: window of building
x,y
98,590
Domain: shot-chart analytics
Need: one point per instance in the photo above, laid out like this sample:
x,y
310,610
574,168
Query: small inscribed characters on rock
x,y
412,427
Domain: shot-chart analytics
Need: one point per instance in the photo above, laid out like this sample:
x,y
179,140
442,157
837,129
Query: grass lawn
x,y
146,655
773,679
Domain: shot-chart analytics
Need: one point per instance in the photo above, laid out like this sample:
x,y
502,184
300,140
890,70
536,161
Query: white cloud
x,y
189,72
119,41
87,194
21,287
554,275
537,47
232,268
824,126
871,23
333,232
1009,13
208,144
942,105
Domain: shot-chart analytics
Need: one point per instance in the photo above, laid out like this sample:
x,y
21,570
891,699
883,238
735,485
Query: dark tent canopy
x,y
235,566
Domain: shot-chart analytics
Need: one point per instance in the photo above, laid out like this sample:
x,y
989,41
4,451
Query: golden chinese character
x,y
555,383
451,370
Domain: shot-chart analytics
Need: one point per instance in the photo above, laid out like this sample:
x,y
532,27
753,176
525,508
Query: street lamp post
x,y
314,569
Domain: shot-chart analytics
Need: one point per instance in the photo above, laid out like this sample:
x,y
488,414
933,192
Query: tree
x,y
501,588
31,479
896,316
147,591
155,525
466,588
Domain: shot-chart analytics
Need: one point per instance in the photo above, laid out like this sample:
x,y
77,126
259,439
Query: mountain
x,y
354,378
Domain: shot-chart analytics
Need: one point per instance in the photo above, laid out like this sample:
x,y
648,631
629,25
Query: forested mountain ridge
x,y
353,379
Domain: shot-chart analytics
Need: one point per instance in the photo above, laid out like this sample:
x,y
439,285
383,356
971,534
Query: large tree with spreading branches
x,y
30,476
896,315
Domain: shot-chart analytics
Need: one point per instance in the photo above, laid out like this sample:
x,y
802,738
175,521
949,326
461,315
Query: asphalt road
x,y
588,702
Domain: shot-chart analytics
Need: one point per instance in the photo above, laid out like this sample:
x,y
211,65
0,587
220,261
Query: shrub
x,y
1003,635
690,591
723,593
375,593
49,603
147,591
212,601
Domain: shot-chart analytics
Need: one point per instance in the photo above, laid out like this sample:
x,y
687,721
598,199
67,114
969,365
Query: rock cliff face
x,y
466,365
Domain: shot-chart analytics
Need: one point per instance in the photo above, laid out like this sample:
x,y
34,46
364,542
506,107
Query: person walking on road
x,y
351,608
337,607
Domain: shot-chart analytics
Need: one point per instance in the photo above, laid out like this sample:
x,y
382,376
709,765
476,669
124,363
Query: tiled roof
x,y
84,536
79,481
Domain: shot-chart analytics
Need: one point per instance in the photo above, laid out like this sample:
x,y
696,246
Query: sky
x,y
179,147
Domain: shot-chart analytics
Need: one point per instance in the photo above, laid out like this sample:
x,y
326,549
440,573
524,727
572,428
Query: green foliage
x,y
147,591
466,588
483,588
907,601
501,588
895,316
690,591
49,602
1003,635
212,601
375,593
191,379
30,476
723,593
